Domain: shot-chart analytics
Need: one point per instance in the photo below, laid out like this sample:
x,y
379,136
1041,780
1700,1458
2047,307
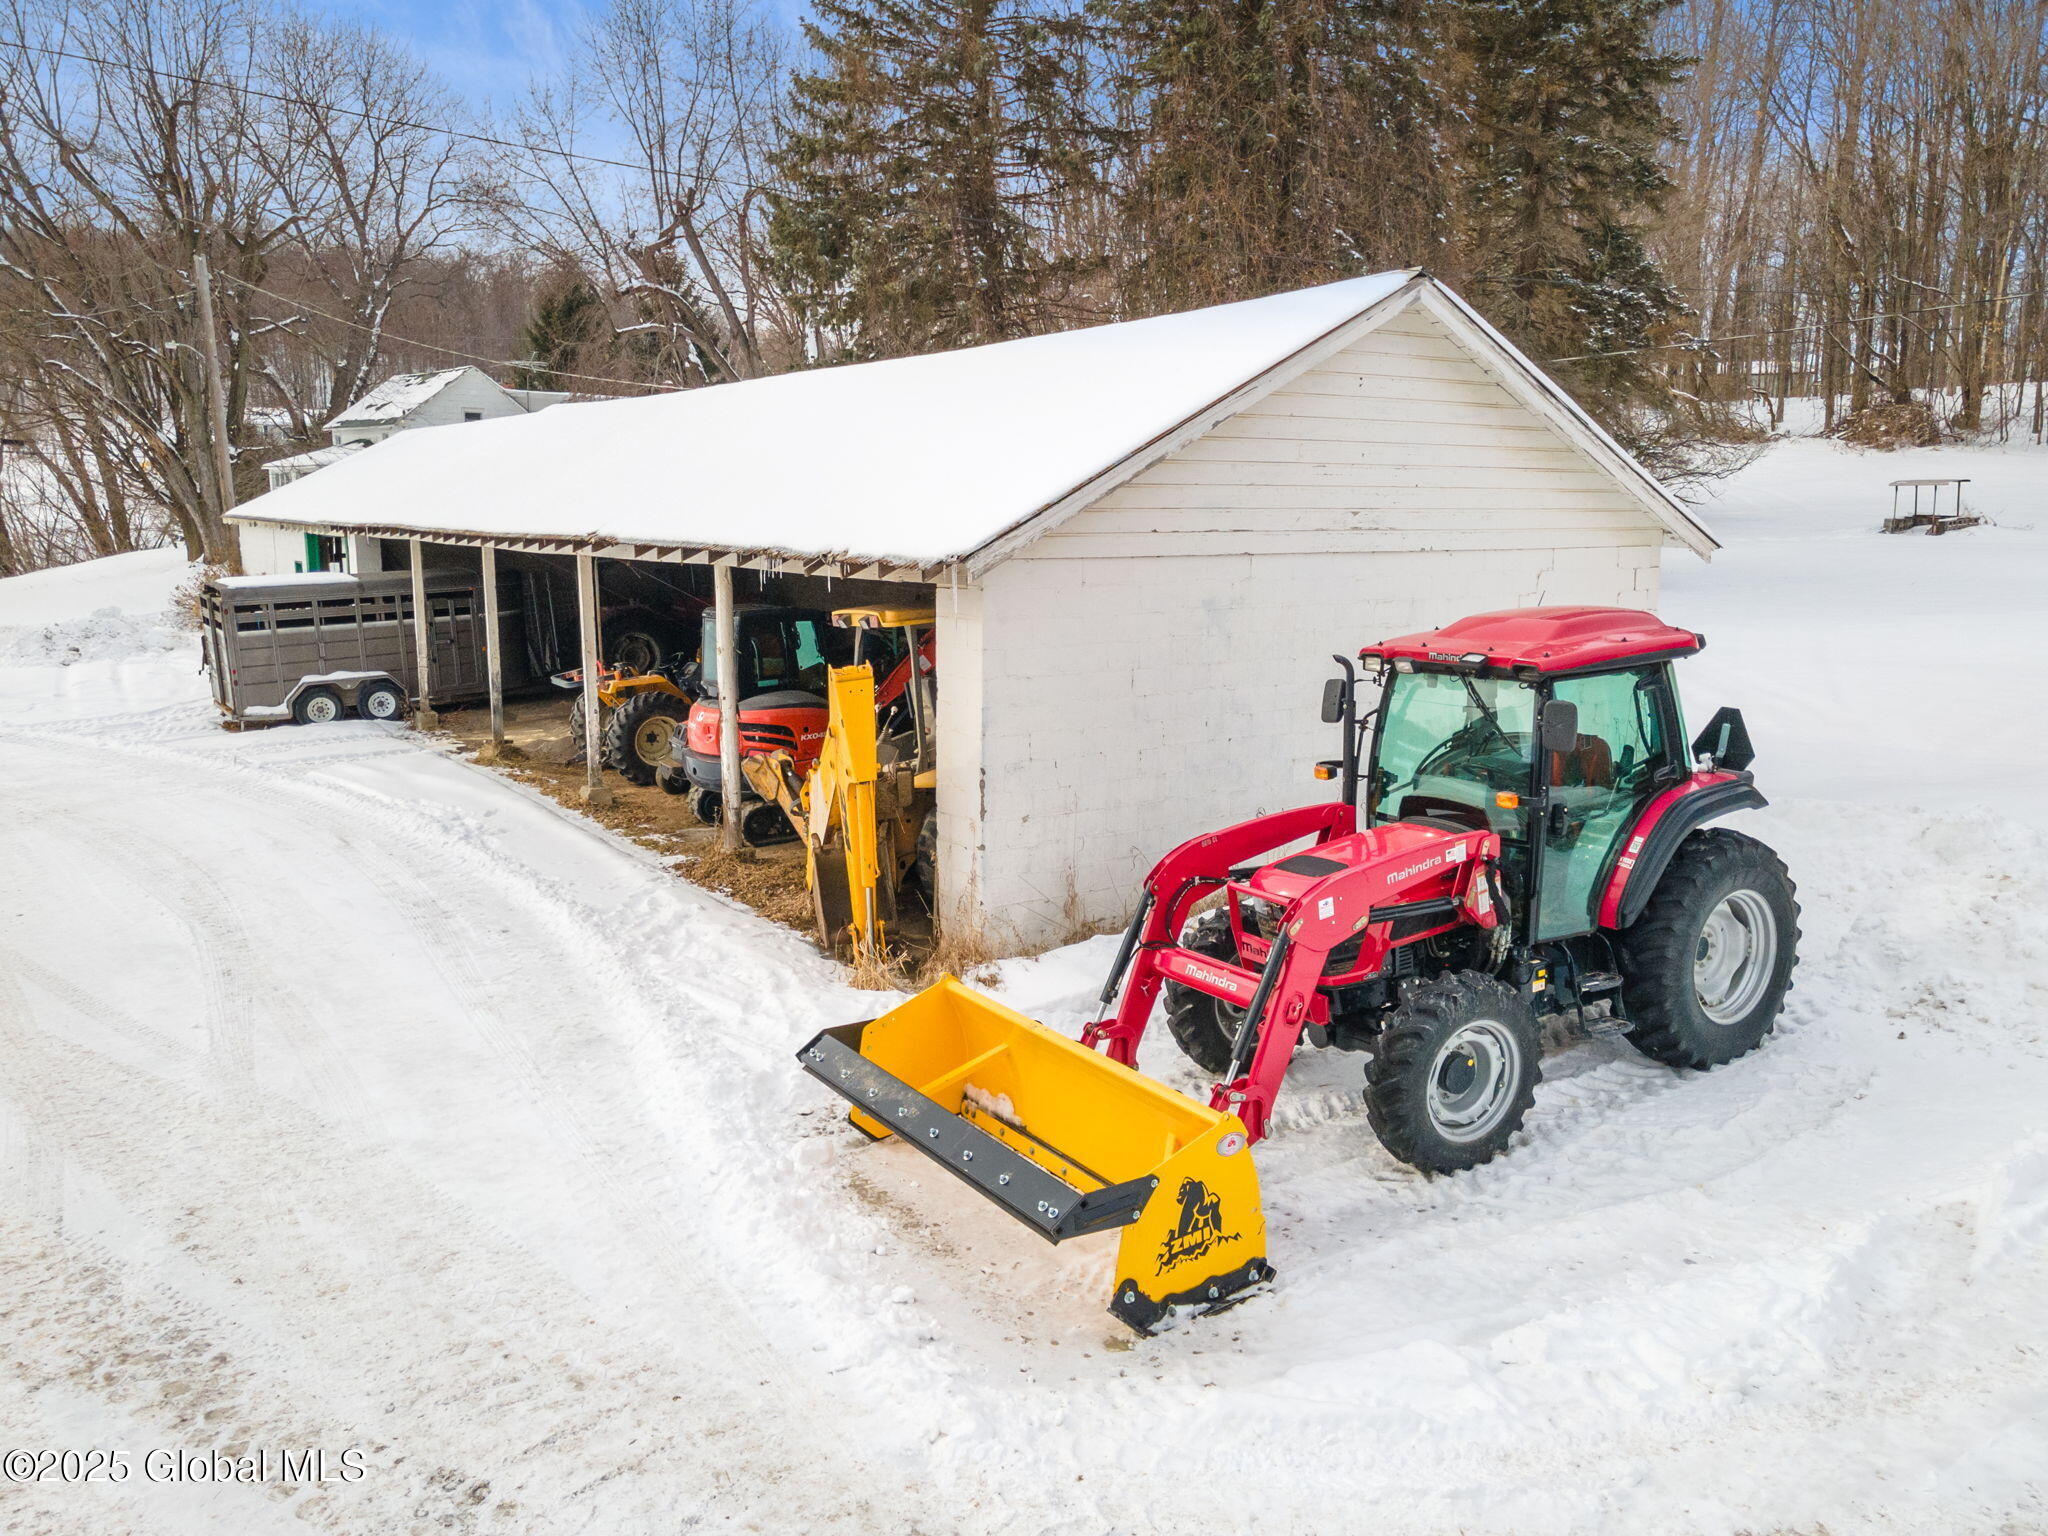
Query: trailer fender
x,y
347,684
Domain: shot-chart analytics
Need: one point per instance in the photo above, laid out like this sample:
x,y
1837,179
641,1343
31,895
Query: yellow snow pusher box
x,y
1064,1139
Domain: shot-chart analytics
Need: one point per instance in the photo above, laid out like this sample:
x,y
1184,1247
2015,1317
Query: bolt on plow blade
x,y
1064,1139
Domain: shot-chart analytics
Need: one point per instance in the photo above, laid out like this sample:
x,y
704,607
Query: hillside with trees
x,y
1691,210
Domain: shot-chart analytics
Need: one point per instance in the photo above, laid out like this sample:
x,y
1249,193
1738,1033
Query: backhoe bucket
x,y
1064,1139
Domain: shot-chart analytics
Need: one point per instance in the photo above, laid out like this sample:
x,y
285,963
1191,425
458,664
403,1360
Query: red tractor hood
x,y
1413,862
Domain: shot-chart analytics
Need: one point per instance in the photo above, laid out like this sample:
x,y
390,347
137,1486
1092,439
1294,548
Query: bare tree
x,y
672,243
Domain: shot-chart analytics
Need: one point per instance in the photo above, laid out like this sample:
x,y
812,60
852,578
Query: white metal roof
x,y
919,461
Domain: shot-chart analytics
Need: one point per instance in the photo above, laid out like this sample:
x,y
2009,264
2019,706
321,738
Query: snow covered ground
x,y
351,1095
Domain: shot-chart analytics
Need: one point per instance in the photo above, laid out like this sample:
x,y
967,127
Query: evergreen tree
x,y
566,334
1281,142
1559,171
928,165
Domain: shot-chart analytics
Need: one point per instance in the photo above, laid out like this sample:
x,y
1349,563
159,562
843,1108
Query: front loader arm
x,y
1176,883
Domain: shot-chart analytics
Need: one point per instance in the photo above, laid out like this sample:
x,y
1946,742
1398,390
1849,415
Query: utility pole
x,y
216,392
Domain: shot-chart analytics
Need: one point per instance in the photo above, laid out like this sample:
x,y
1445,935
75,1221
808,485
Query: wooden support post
x,y
730,783
423,716
496,750
595,790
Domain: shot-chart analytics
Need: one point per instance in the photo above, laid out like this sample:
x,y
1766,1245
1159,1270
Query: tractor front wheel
x,y
1453,1072
1706,967
637,735
1205,1027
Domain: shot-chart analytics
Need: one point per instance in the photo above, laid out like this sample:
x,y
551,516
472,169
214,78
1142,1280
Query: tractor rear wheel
x,y
1706,967
1453,1072
1205,1027
637,735
576,743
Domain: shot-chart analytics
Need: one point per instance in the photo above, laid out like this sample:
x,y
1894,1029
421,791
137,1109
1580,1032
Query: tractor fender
x,y
1661,828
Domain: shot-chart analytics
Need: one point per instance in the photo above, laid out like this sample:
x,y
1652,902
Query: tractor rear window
x,y
1448,745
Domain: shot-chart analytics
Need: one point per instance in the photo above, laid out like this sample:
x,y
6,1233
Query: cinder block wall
x,y
1127,704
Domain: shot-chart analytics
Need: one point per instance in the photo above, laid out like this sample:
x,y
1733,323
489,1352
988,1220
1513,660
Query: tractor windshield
x,y
1449,744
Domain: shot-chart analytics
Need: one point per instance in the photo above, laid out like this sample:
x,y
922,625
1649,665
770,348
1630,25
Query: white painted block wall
x,y
1153,670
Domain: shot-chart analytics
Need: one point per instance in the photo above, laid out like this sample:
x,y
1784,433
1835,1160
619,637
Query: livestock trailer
x,y
314,647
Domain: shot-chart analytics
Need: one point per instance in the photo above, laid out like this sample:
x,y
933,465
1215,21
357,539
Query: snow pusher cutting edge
x,y
1066,1140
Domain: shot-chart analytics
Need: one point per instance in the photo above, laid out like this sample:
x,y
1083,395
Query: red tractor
x,y
1524,839
1530,843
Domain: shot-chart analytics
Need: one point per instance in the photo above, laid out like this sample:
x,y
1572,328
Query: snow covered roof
x,y
918,461
398,397
316,458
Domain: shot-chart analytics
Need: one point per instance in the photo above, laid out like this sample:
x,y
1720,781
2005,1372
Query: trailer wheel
x,y
637,733
317,706
381,701
1705,969
1205,1027
1453,1072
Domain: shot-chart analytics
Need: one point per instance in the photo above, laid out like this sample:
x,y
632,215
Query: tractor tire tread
x,y
1427,1013
1656,953
623,724
1193,1017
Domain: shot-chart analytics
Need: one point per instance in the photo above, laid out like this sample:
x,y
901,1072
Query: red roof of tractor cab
x,y
1548,639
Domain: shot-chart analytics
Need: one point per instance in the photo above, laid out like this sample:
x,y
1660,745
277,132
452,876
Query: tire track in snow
x,y
339,1261
409,833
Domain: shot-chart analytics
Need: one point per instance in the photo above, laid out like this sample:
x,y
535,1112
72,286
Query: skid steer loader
x,y
1529,844
864,811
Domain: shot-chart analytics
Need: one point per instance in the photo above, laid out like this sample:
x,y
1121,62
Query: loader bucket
x,y
1064,1139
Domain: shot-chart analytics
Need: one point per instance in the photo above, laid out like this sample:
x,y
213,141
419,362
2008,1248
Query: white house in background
x,y
446,397
1143,541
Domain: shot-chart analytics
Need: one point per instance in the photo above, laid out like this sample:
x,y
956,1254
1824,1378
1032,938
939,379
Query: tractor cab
x,y
1552,727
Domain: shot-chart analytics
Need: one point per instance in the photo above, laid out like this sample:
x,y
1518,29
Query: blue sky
x,y
485,49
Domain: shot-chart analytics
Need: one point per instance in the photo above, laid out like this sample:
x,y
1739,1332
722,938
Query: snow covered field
x,y
352,1096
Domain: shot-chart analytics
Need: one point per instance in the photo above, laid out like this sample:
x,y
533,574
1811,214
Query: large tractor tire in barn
x,y
1205,1027
1453,1071
637,735
576,743
634,647
1706,967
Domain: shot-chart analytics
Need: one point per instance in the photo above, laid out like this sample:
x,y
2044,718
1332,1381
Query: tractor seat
x,y
1589,765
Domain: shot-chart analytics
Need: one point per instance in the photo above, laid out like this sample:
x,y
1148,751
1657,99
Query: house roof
x,y
397,397
316,458
918,461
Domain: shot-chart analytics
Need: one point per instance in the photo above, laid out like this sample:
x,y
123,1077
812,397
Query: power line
x,y
428,346
368,117
1793,330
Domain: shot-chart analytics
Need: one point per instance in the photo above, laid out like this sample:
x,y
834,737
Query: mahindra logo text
x,y
1402,876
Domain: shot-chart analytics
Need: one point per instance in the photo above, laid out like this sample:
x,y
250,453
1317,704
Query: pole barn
x,y
1144,541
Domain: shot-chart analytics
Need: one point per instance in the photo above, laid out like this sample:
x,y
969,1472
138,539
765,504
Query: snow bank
x,y
96,610
141,582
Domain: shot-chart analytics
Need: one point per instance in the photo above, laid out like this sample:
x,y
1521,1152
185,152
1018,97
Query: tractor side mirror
x,y
1558,729
1336,700
1725,741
